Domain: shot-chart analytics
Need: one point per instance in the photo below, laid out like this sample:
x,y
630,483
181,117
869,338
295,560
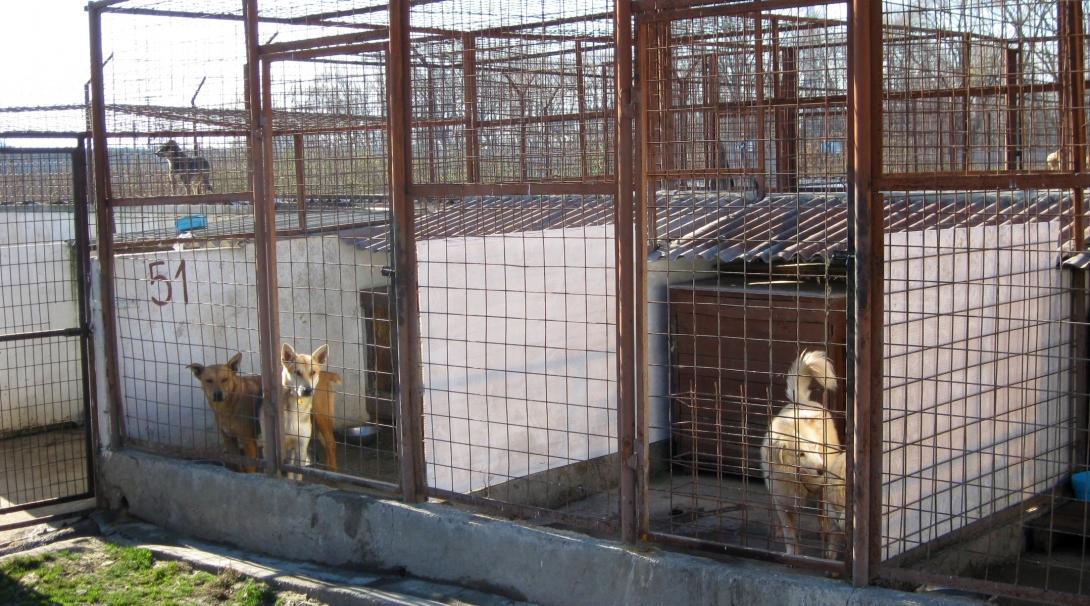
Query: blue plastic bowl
x,y
191,223
1081,483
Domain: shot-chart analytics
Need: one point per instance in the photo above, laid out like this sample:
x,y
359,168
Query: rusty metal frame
x,y
864,145
81,219
264,238
105,222
1076,41
625,249
77,156
409,389
632,184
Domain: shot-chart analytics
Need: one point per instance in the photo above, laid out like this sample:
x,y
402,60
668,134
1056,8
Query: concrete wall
x,y
978,413
319,279
519,351
433,541
518,346
40,378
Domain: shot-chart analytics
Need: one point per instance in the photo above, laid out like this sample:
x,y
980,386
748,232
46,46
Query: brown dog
x,y
236,401
323,413
190,170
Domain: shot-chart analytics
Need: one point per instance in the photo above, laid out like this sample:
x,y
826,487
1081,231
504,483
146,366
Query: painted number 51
x,y
156,276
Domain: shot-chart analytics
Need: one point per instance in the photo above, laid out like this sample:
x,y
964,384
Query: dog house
x,y
733,339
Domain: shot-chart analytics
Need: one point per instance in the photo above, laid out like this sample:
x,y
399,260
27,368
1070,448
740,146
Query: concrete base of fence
x,y
316,523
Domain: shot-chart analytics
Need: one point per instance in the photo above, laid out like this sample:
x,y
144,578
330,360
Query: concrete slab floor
x,y
713,507
42,466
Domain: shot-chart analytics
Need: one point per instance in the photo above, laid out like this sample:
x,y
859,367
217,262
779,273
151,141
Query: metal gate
x,y
45,411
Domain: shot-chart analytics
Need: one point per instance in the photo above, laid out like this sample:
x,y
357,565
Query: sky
x,y
44,48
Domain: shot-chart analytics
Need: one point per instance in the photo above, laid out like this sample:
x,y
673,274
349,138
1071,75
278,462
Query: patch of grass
x,y
116,575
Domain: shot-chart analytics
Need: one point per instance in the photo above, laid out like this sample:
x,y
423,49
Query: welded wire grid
x,y
984,375
333,289
517,291
180,80
42,401
747,235
185,272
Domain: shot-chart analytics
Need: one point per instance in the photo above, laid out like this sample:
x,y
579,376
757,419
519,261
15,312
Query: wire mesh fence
x,y
44,406
750,415
747,268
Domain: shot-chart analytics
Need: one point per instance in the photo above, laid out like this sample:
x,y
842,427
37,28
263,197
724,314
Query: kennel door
x,y
45,435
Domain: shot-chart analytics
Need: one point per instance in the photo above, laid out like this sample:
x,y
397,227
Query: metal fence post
x,y
105,223
264,245
623,232
866,221
409,387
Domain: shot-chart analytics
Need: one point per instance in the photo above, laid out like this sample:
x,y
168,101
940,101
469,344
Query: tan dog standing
x,y
300,376
236,401
799,447
323,415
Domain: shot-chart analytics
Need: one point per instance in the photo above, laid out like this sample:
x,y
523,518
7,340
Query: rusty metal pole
x,y
581,99
472,130
644,197
1014,116
300,181
409,387
789,88
762,111
966,118
104,218
864,143
81,219
1074,71
623,229
268,320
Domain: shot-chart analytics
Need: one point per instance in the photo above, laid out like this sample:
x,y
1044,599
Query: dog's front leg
x,y
229,447
831,532
249,449
789,523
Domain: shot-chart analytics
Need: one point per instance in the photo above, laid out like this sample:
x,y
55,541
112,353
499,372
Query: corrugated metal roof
x,y
495,215
780,227
806,227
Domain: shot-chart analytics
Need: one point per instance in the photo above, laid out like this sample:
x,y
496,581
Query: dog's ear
x,y
321,354
781,449
287,354
196,368
234,362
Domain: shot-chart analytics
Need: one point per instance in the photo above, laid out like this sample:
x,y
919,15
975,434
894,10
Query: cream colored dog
x,y
800,448
1054,159
299,376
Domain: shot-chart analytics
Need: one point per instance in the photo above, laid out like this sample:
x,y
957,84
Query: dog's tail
x,y
808,367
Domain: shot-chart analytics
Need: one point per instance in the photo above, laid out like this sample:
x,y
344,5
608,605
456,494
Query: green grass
x,y
121,576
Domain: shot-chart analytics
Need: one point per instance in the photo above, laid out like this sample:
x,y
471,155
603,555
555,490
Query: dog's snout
x,y
308,391
217,396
